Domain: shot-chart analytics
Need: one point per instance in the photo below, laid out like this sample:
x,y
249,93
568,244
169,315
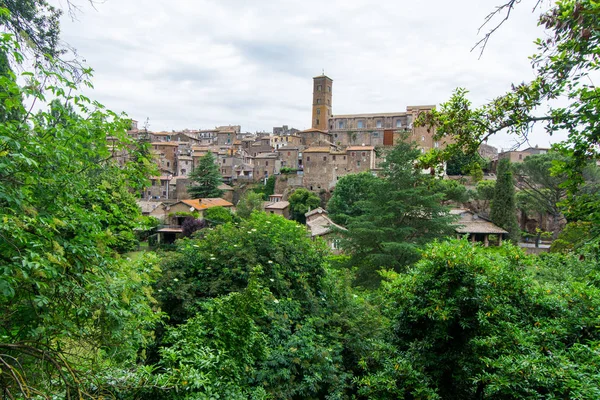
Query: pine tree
x,y
205,179
394,221
504,211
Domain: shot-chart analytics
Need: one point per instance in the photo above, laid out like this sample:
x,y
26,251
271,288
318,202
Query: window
x,y
375,134
289,153
360,124
520,156
422,138
358,163
183,171
307,158
317,122
341,124
266,163
364,154
344,158
333,158
335,244
149,193
318,111
329,89
353,154
319,88
325,158
164,192
318,101
379,123
328,102
168,164
436,144
398,123
223,161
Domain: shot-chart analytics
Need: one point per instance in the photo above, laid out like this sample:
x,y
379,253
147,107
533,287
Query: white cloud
x,y
202,63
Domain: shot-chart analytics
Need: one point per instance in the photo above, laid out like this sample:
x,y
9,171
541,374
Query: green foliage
x,y
290,328
564,66
349,191
218,216
452,190
461,163
65,294
573,237
503,210
542,186
270,186
36,24
401,214
470,323
205,178
222,260
288,170
301,202
485,190
267,189
475,172
249,203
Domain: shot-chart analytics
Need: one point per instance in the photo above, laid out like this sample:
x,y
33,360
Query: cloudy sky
x,y
201,63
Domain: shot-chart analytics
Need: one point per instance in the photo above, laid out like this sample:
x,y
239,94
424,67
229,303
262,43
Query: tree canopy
x,y
66,297
301,202
400,214
349,191
205,178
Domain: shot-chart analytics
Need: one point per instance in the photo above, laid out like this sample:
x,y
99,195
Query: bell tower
x,y
322,95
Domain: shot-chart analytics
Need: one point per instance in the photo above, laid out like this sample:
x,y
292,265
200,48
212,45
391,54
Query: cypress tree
x,y
503,210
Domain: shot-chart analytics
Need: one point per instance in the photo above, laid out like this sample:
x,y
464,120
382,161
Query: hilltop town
x,y
335,146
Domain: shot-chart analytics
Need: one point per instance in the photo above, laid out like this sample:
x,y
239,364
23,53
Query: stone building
x,y
290,156
266,164
314,137
519,156
360,159
166,155
225,138
184,164
260,145
319,170
374,129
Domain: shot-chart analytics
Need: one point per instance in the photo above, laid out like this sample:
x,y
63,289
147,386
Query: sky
x,y
198,64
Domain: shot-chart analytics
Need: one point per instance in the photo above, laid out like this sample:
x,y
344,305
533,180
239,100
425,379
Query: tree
x,y
540,185
467,323
254,310
504,211
349,191
301,202
249,202
205,178
67,299
35,23
218,215
401,214
452,190
564,66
